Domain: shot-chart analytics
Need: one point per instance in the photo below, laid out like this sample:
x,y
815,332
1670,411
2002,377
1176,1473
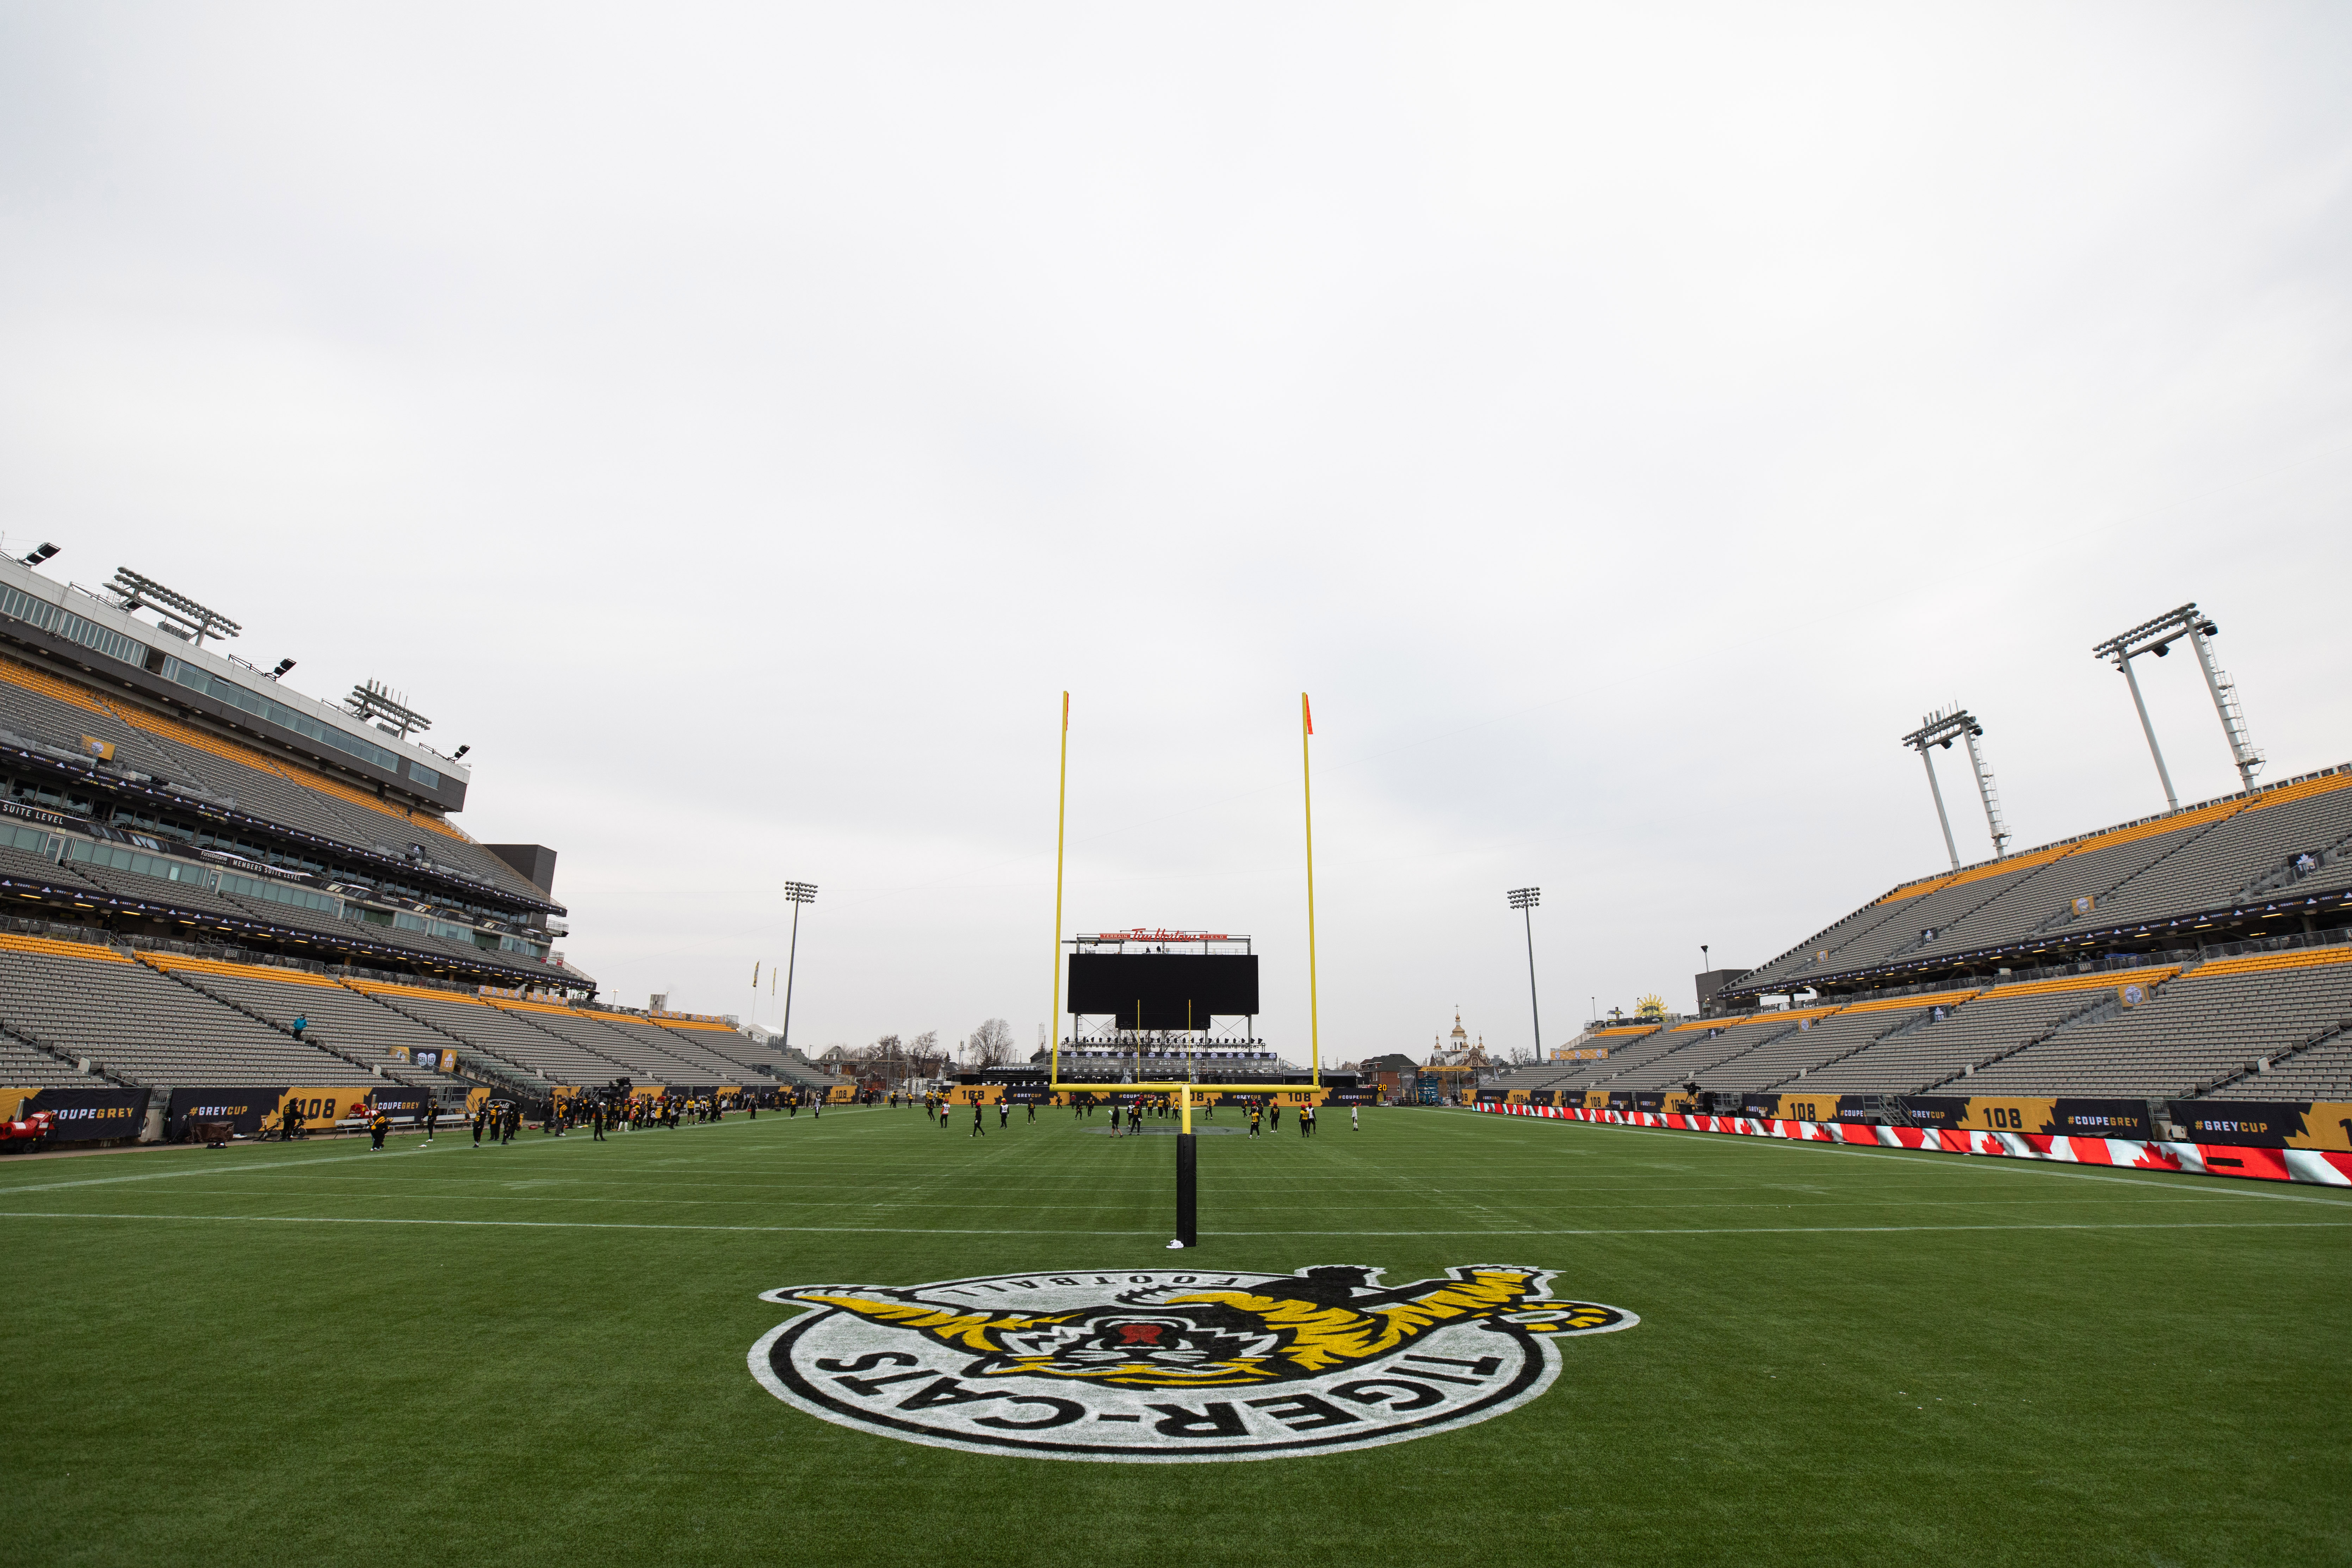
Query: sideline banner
x,y
2268,1123
243,1108
322,1109
2321,1167
2047,1115
400,1103
83,1115
1793,1107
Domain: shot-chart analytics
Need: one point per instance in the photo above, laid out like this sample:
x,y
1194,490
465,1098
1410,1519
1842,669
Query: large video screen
x,y
1162,984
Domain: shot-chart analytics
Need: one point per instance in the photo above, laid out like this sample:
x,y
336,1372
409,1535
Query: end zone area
x,y
538,1353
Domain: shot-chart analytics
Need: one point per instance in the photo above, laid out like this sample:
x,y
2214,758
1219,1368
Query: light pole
x,y
797,894
1523,899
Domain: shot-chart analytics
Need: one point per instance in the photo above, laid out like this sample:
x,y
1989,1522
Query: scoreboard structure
x,y
1161,980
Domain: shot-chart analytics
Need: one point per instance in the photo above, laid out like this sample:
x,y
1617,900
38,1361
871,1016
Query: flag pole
x,y
1306,782
1061,810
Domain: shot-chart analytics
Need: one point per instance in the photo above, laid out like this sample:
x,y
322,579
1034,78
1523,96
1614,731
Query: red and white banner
x,y
2323,1167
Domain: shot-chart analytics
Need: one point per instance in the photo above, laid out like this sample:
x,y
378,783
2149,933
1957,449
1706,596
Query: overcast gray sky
x,y
741,425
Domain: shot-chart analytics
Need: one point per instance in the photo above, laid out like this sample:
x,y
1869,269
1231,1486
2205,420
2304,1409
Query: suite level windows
x,y
222,690
70,626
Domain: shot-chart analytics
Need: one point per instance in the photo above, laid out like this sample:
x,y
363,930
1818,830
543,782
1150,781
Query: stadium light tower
x,y
133,591
796,894
1941,727
376,701
2156,636
1523,899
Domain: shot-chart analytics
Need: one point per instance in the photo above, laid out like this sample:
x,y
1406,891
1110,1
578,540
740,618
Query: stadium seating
x,y
2216,1020
1826,1036
643,1057
79,999
336,1016
2205,859
1698,1049
23,1066
2323,1072
44,707
497,1034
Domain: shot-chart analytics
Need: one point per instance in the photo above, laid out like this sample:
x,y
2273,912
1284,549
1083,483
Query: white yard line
x,y
949,1230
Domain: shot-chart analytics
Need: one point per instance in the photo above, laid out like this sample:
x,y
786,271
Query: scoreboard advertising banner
x,y
2268,1142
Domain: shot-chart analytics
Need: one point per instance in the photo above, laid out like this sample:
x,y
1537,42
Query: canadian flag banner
x,y
2320,1168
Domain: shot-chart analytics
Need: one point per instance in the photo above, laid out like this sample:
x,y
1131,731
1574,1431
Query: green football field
x,y
539,1354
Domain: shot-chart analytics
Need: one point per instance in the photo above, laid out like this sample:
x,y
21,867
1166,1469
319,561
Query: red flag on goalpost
x,y
1308,712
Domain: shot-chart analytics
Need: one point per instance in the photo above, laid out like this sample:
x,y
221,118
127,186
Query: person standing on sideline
x,y
1004,1114
379,1124
481,1115
432,1118
1033,1110
977,1130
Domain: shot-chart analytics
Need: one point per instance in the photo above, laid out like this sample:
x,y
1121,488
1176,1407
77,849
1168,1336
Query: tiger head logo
x,y
979,1363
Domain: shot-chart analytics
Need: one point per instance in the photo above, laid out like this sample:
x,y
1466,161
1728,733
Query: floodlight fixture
x,y
135,592
796,894
1941,728
283,666
376,701
41,554
2156,636
459,754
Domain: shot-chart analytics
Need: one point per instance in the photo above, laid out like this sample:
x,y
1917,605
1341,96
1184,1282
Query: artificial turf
x,y
537,1353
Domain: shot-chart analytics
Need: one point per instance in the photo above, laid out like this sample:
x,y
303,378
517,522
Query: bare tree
x,y
990,1045
923,1054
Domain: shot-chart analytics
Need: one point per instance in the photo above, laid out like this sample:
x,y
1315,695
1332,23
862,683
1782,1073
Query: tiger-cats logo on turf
x,y
1157,1366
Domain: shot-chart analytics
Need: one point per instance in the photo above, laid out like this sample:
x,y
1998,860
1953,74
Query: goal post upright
x,y
1307,785
1185,1090
1061,817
